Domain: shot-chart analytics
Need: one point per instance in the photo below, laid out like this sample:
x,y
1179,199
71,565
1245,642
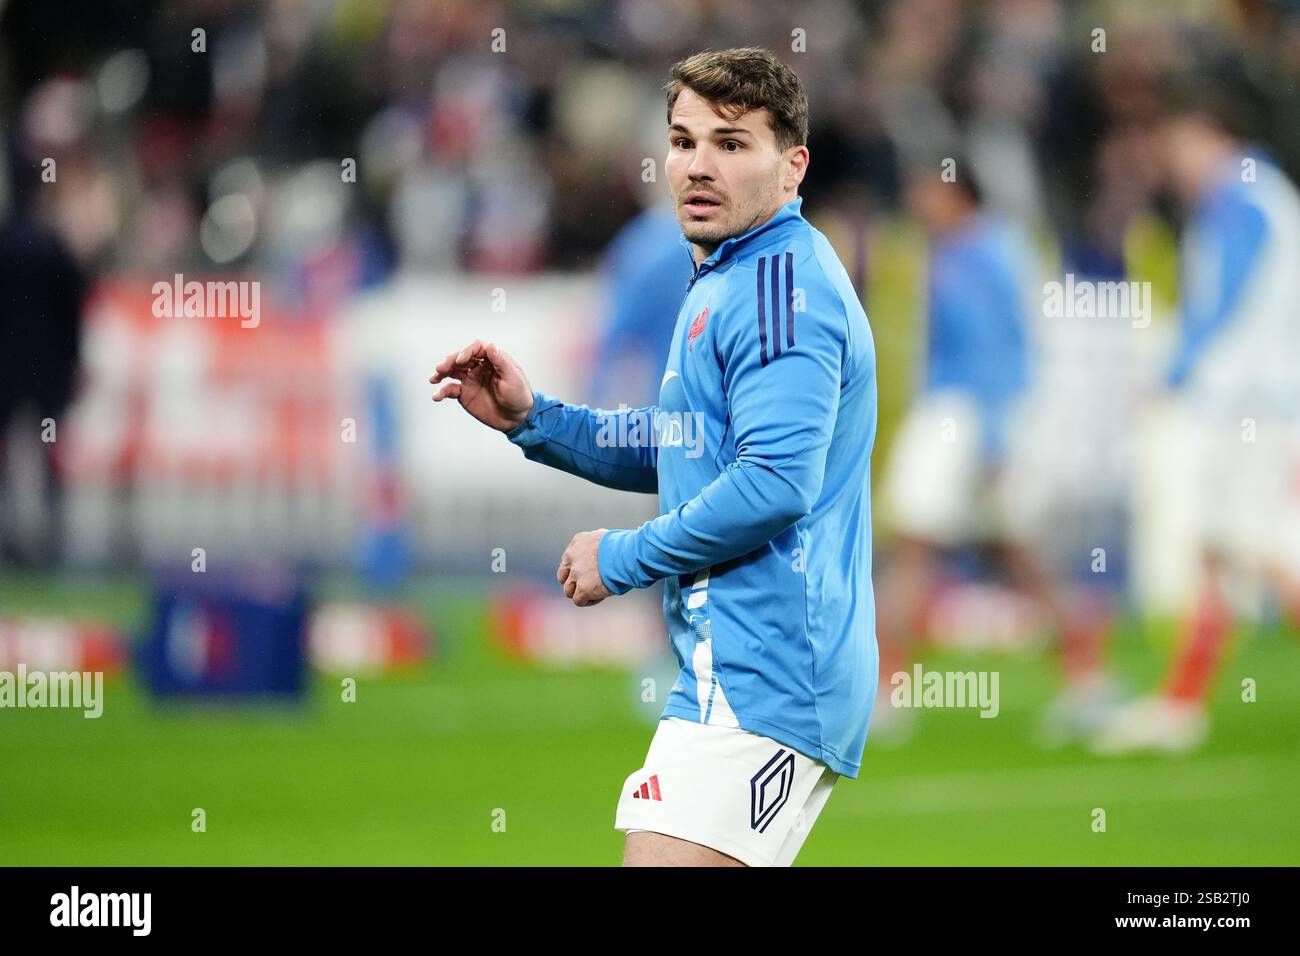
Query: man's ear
x,y
797,166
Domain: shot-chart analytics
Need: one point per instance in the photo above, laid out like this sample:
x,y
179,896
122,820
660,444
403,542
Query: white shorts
x,y
933,484
1248,492
738,792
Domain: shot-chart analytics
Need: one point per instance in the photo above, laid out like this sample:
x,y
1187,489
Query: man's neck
x,y
958,220
703,252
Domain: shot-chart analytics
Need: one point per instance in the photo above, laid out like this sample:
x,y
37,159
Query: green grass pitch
x,y
416,770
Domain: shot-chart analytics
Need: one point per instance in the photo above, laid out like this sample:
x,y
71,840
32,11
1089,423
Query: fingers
x,y
474,350
448,390
564,574
584,598
467,357
581,585
443,369
498,357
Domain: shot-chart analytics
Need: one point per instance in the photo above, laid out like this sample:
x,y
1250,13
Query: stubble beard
x,y
709,235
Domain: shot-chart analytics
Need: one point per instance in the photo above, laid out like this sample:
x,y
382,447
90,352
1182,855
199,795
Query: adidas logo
x,y
649,790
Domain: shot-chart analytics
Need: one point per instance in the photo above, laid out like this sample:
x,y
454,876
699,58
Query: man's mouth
x,y
700,204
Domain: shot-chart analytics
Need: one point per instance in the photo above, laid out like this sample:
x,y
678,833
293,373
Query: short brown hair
x,y
744,79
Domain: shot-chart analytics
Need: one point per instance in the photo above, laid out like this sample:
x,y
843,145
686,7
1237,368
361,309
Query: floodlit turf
x,y
416,769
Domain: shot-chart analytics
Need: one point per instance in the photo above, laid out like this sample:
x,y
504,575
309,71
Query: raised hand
x,y
487,382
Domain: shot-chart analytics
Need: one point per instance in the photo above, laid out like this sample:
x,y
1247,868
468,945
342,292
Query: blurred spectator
x,y
41,293
323,147
497,137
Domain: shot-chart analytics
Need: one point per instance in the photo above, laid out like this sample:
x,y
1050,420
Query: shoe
x,y
1157,723
1079,711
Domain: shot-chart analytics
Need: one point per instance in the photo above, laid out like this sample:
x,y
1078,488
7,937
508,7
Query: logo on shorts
x,y
769,789
649,790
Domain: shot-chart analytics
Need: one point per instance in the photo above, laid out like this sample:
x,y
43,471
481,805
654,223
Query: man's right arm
x,y
611,448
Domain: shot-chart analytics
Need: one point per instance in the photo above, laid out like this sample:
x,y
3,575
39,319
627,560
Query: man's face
x,y
1192,151
1180,141
726,175
926,199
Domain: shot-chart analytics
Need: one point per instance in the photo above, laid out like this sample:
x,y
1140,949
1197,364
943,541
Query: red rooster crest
x,y
696,328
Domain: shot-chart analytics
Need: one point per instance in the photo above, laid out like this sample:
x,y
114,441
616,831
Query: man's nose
x,y
702,166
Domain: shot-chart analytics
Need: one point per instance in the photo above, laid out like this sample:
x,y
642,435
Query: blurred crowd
x,y
325,146
514,137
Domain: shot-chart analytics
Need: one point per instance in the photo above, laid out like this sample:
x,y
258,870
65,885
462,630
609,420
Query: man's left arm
x,y
1212,299
782,375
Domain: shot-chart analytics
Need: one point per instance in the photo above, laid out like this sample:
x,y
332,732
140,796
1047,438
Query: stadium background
x,y
498,149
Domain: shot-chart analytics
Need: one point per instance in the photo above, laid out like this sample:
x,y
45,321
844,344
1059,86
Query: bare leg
x,y
903,586
1081,641
646,848
1176,719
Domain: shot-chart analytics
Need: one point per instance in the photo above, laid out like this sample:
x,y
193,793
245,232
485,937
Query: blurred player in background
x,y
1236,373
945,485
764,540
643,273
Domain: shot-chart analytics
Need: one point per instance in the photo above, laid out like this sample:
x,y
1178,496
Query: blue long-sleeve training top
x,y
760,449
976,334
1227,239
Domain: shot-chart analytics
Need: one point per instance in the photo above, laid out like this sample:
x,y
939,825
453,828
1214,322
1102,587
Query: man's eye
x,y
679,142
731,142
